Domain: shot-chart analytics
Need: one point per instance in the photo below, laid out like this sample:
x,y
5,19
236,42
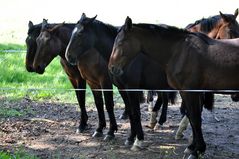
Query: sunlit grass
x,y
16,83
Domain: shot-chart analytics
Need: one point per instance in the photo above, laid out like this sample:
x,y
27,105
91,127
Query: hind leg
x,y
194,108
163,116
154,113
183,123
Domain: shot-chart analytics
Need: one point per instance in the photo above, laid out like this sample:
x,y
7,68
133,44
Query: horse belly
x,y
221,81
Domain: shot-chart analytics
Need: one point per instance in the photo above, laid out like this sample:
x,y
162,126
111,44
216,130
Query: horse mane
x,y
164,30
174,32
207,24
99,25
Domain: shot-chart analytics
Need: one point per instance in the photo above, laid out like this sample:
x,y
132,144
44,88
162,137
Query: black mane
x,y
164,30
106,27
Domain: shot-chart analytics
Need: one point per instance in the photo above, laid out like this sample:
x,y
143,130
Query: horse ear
x,y
44,24
128,24
92,19
83,16
224,17
236,13
30,24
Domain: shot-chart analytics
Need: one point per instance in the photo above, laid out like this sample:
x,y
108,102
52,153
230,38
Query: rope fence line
x,y
128,90
13,51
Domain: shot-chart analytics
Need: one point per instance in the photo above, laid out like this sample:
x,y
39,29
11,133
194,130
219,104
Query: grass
x,y
16,83
18,154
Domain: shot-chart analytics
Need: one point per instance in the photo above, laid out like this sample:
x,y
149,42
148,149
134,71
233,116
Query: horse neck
x,y
214,31
104,41
64,37
157,47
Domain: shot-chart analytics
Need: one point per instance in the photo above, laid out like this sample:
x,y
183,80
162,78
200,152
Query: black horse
x,y
192,61
141,73
72,71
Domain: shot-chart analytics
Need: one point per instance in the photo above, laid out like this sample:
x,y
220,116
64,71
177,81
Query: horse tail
x,y
208,100
172,96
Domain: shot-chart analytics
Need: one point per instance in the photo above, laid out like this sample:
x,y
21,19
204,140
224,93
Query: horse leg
x,y
182,127
109,103
132,134
194,108
183,123
163,116
80,95
150,100
100,109
124,96
154,113
136,120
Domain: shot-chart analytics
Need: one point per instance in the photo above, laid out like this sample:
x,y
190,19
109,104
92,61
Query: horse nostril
x,y
29,68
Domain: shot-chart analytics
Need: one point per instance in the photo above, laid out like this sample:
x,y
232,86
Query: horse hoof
x,y
138,145
128,143
192,157
97,134
187,151
135,148
81,129
109,137
123,116
151,125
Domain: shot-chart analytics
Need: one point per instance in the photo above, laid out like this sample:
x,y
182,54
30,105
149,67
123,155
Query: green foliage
x,y
18,154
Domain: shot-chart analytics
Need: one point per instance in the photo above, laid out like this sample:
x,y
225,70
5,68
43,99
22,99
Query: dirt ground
x,y
48,130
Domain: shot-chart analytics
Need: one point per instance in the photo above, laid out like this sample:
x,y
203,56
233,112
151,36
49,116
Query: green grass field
x,y
16,83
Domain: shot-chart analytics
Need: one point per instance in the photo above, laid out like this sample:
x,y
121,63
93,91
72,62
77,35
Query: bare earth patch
x,y
48,130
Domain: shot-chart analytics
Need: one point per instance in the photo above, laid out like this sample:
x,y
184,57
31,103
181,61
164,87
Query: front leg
x,y
136,120
109,103
100,109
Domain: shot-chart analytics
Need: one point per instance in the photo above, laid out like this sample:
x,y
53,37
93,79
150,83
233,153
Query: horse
x,y
52,42
192,61
72,72
90,33
222,26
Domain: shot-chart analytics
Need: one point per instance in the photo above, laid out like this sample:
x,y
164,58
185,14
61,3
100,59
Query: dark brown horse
x,y
223,26
72,72
90,34
192,61
52,42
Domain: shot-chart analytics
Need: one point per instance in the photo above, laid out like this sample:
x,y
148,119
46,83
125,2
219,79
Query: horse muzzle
x,y
40,69
29,68
116,71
